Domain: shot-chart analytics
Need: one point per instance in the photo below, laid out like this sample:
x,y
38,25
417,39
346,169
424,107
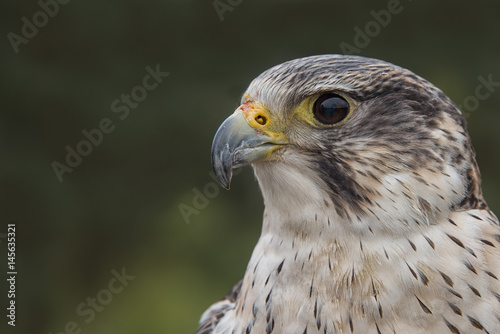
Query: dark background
x,y
120,207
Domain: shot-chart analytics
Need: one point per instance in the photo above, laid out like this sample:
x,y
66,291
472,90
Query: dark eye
x,y
331,109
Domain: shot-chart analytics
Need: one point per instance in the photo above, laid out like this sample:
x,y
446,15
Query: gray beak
x,y
237,144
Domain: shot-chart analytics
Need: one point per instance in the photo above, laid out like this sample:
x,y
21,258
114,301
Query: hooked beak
x,y
243,138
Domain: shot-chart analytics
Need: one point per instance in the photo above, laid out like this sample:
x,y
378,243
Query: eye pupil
x,y
331,109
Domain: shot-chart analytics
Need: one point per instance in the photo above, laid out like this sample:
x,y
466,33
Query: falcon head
x,y
357,138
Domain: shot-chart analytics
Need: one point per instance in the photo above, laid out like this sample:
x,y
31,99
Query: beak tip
x,y
222,167
224,177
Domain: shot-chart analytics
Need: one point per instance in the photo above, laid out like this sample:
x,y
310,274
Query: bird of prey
x,y
374,218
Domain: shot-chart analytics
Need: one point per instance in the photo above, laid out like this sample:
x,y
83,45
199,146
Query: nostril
x,y
261,120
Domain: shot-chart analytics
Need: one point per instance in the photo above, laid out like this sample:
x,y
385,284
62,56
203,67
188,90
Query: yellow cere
x,y
259,118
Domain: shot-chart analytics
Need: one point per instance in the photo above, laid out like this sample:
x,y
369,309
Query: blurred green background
x,y
120,207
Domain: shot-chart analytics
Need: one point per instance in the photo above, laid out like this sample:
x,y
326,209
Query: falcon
x,y
374,218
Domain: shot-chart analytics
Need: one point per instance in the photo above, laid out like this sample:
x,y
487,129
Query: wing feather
x,y
212,316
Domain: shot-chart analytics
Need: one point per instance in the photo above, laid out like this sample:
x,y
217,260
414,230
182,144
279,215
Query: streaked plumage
x,y
376,224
